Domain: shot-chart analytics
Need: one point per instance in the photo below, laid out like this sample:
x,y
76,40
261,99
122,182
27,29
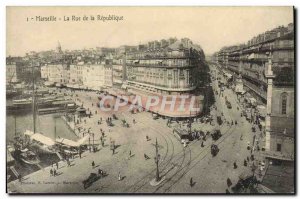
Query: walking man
x,y
119,176
93,164
234,165
229,183
191,182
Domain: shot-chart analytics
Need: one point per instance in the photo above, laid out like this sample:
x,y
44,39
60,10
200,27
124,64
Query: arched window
x,y
283,103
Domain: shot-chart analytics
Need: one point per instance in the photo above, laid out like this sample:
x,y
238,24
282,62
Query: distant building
x,y
94,76
17,70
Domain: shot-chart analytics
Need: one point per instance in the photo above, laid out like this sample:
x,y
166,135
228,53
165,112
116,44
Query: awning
x,y
251,56
43,139
72,143
49,83
29,133
243,92
80,109
83,140
66,142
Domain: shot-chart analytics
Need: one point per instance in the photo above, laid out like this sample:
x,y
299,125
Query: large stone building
x,y
165,67
79,75
264,67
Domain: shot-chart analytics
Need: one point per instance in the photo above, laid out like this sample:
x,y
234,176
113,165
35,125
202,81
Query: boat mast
x,y
33,98
54,128
15,125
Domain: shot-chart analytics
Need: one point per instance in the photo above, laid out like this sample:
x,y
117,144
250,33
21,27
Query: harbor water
x,y
17,123
45,124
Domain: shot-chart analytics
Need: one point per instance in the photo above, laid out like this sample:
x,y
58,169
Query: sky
x,y
210,27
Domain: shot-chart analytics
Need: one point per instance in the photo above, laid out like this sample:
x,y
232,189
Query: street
x,y
177,163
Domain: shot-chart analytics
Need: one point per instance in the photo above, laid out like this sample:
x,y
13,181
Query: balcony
x,y
256,89
161,87
162,65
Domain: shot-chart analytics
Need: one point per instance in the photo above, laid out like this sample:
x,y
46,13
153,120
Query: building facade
x,y
17,70
165,67
266,66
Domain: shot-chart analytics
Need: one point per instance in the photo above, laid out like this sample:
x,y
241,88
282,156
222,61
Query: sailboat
x,y
22,151
39,143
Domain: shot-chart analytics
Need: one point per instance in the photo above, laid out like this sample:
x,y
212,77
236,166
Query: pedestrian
x,y
51,172
54,172
56,165
93,164
146,156
113,150
129,153
191,182
147,138
229,183
202,145
119,176
234,165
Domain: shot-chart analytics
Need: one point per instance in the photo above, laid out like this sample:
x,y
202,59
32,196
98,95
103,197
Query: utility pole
x,y
93,141
158,179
